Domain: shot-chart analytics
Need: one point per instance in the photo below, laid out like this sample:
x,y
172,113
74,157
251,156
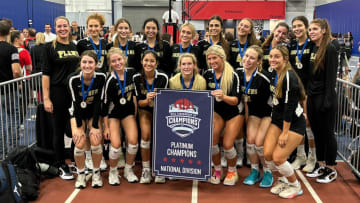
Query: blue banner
x,y
182,134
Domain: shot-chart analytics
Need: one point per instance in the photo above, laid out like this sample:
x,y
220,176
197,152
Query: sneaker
x,y
121,162
278,187
231,178
239,162
80,182
253,178
159,179
223,161
291,192
103,165
299,161
267,179
114,177
310,164
318,171
89,163
216,177
145,176
96,179
65,173
328,176
130,176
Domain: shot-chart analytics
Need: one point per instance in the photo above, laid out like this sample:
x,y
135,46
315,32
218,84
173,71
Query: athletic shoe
x,y
96,179
121,162
291,192
130,176
89,163
231,178
328,176
310,164
253,178
216,177
299,161
318,171
160,179
223,161
65,172
145,176
278,187
267,179
80,182
103,165
114,177
239,162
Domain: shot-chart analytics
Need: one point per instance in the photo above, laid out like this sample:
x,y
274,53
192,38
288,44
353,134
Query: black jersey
x,y
269,72
113,92
59,62
164,54
258,95
203,46
85,44
131,57
324,80
93,99
8,56
235,58
302,70
175,50
288,107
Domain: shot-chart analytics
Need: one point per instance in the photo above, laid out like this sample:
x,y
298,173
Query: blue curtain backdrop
x,y
343,16
39,11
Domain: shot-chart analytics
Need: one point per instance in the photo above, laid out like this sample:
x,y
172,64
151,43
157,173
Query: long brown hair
x,y
320,54
251,37
121,20
224,43
271,37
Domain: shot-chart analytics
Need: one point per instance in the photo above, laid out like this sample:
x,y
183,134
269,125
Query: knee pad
x,y
132,149
250,148
259,151
231,153
114,153
96,149
145,144
215,149
285,169
78,152
309,134
271,165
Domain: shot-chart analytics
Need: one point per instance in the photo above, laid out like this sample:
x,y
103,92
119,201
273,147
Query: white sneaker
x,y
328,176
80,182
145,176
96,180
291,192
299,161
160,179
114,177
278,187
103,165
121,161
310,164
130,176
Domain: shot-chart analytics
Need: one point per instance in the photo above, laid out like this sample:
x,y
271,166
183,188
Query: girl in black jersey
x,y
224,85
94,25
287,125
255,87
146,82
189,77
187,34
122,41
60,60
300,51
278,36
322,102
119,111
154,43
216,26
86,89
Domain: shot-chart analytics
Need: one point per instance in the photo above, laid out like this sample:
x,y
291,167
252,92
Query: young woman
x,y
94,25
86,89
224,85
322,102
187,34
255,87
188,77
300,51
146,83
153,42
287,127
60,60
278,36
122,41
119,111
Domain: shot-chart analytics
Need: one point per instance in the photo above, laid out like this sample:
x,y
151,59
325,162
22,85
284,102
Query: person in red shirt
x,y
17,39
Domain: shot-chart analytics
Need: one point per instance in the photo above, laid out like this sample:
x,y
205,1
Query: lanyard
x,y
122,87
152,86
276,79
183,83
187,50
152,49
302,50
126,48
249,83
98,52
243,51
85,94
217,85
211,42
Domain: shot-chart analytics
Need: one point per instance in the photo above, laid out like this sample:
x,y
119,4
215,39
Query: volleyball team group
x,y
274,94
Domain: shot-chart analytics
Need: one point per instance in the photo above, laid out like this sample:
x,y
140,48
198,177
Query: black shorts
x,y
297,126
260,112
84,114
227,114
122,111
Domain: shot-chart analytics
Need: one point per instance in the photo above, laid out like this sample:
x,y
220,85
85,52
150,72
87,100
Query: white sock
x,y
312,151
146,164
81,170
301,150
255,166
88,154
127,166
112,169
283,179
266,169
231,169
217,167
295,184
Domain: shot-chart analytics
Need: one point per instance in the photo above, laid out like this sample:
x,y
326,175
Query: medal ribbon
x,y
98,51
152,86
183,83
84,94
122,87
126,48
302,50
187,50
243,51
247,86
217,85
152,49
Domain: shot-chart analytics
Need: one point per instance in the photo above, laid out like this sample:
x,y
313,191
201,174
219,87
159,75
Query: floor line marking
x,y
314,195
76,191
194,195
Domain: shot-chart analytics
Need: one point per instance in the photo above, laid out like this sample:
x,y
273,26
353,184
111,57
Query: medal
x,y
217,86
85,94
122,87
275,101
99,65
122,101
218,99
97,51
151,103
299,65
270,69
126,48
83,104
242,51
247,85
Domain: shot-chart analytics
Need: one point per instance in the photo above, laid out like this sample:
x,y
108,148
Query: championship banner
x,y
182,134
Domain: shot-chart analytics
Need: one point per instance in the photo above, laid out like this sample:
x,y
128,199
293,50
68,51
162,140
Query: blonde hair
x,y
68,22
115,50
191,26
98,17
227,75
260,53
40,38
193,58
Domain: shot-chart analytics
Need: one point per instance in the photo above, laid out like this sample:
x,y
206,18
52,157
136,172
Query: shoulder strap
x,y
14,183
3,182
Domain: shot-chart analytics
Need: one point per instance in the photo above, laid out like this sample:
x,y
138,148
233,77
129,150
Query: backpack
x,y
10,188
24,157
30,184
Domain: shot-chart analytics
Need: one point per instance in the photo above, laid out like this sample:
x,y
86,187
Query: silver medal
x,y
275,101
218,99
299,65
151,104
83,104
122,101
270,69
99,65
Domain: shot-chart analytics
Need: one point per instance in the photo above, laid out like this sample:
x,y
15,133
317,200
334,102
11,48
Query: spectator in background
x,y
30,41
49,36
37,52
174,16
167,37
75,29
17,39
110,35
229,37
25,31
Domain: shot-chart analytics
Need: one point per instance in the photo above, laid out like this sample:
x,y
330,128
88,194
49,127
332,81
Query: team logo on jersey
x,y
183,119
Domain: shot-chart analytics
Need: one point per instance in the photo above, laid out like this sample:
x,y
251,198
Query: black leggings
x,y
322,122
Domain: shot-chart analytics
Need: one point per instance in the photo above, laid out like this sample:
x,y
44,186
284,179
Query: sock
x,y
283,179
295,184
127,166
312,151
239,144
266,169
301,150
111,168
146,164
231,169
255,166
81,170
217,167
88,154
96,170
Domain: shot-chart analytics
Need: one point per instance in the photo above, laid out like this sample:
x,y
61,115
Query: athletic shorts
x,y
121,112
227,114
260,112
297,126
